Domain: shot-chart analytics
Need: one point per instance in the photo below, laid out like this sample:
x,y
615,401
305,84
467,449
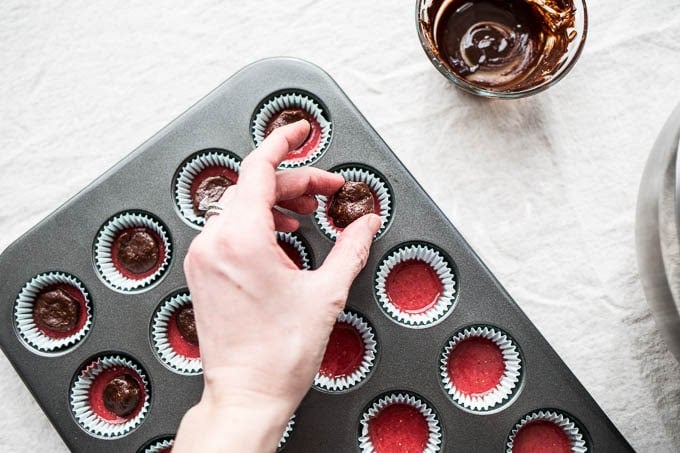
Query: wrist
x,y
233,419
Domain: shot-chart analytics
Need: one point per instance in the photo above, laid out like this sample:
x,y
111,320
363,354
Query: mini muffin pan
x,y
407,368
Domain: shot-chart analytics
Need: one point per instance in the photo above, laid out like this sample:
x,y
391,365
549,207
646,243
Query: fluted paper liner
x,y
86,417
23,313
104,242
293,101
379,189
443,269
578,443
509,382
286,433
294,241
434,437
159,446
159,335
187,174
370,347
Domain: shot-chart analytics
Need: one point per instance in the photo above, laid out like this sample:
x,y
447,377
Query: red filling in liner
x,y
541,437
476,365
126,272
399,428
82,318
413,286
96,394
292,253
344,352
177,341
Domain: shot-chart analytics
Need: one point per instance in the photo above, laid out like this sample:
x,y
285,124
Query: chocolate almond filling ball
x,y
186,324
137,250
122,395
353,200
211,190
285,117
56,310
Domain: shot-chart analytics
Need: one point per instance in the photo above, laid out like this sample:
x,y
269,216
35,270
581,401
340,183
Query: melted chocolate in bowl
x,y
500,45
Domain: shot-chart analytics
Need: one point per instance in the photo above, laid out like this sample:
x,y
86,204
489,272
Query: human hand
x,y
263,324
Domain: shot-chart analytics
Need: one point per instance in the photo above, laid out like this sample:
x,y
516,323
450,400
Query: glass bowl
x,y
428,12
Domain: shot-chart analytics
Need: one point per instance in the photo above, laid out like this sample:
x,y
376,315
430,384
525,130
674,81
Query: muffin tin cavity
x,y
132,251
380,189
285,108
52,312
415,284
350,354
110,396
201,179
399,421
481,368
173,330
296,247
547,428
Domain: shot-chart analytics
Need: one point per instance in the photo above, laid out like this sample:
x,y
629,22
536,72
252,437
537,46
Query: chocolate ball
x,y
122,395
56,310
210,189
285,117
353,200
137,250
186,324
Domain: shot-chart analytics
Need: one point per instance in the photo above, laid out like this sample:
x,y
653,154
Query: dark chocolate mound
x,y
56,310
353,200
122,395
285,117
137,250
210,188
186,324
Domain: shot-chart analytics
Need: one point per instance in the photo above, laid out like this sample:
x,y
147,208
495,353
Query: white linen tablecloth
x,y
543,188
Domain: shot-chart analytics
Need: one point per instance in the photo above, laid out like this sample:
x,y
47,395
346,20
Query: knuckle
x,y
357,252
198,255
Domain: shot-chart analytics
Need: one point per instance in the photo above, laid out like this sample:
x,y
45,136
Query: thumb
x,y
350,253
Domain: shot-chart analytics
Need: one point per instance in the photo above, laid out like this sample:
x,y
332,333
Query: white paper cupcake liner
x,y
367,362
159,446
508,384
187,174
293,101
102,250
578,442
23,313
286,433
294,241
434,437
442,268
80,404
379,188
159,335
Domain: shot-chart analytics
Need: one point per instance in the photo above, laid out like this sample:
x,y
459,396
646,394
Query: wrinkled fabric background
x,y
543,188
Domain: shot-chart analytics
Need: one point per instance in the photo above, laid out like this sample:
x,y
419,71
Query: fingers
x,y
304,205
304,181
284,223
257,176
349,254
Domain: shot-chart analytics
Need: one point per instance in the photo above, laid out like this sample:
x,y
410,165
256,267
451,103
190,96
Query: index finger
x,y
257,176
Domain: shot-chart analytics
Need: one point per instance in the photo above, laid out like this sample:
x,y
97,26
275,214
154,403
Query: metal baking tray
x,y
408,358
